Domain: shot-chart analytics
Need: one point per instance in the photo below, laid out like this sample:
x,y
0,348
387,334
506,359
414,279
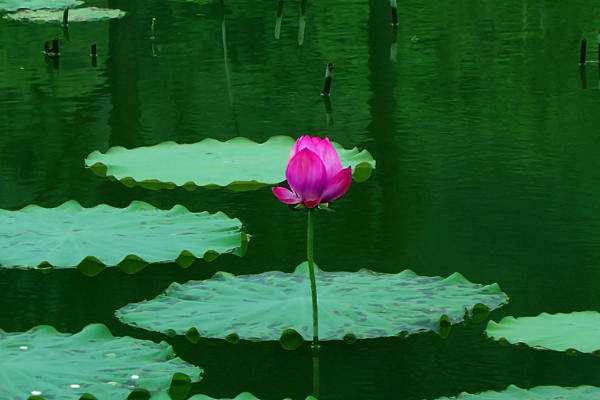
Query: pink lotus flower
x,y
314,173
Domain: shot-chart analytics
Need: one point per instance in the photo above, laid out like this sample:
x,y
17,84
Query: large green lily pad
x,y
277,305
577,332
239,163
536,393
45,364
71,236
56,15
14,5
241,396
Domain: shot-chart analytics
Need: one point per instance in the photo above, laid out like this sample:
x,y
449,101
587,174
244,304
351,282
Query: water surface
x,y
484,129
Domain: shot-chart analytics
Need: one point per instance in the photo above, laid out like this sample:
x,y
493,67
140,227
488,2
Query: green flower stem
x,y
313,293
311,272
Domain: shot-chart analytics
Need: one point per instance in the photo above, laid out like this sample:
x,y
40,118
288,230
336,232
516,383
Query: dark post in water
x,y
51,51
327,83
94,54
394,7
55,45
582,52
66,17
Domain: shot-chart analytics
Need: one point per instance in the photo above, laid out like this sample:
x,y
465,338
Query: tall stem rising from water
x,y
313,293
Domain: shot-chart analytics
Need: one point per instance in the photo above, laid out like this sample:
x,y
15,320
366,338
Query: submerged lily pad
x,y
71,236
241,396
577,332
273,305
46,364
536,393
239,163
56,15
14,5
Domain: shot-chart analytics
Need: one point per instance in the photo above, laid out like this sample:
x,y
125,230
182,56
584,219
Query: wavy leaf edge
x,y
131,263
361,171
291,339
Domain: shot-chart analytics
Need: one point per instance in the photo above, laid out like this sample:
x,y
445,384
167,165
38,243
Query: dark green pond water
x,y
485,132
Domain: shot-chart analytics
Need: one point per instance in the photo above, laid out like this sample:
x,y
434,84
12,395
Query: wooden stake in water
x,y
94,54
51,51
152,28
582,52
66,17
65,24
327,83
394,7
278,19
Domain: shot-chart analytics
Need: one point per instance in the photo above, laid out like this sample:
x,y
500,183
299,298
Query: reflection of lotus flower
x,y
314,173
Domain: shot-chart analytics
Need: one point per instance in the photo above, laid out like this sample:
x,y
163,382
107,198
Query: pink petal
x,y
302,143
285,195
322,148
330,157
337,186
306,175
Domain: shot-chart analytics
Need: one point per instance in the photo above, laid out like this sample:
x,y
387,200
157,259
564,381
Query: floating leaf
x,y
536,393
352,305
241,396
56,15
239,163
577,332
14,5
49,365
71,236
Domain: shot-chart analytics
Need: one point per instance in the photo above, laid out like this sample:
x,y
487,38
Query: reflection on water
x,y
484,129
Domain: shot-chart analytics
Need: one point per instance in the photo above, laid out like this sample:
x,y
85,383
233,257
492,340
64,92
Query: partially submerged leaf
x,y
56,15
14,5
49,365
71,236
290,339
571,333
536,393
352,305
239,163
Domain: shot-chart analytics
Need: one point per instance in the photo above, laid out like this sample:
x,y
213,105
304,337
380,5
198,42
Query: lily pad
x,y
352,305
56,15
577,332
71,236
43,363
241,396
14,5
239,163
536,393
